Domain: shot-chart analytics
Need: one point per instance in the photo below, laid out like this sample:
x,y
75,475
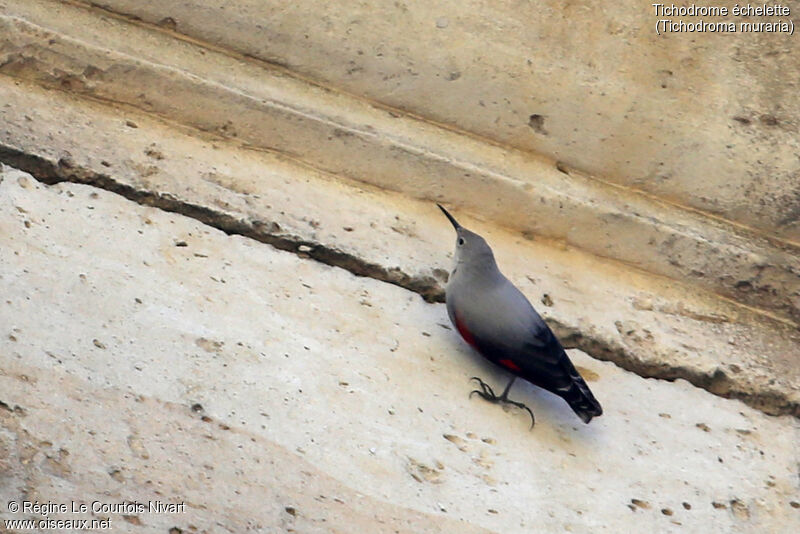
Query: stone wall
x,y
223,267
622,175
706,121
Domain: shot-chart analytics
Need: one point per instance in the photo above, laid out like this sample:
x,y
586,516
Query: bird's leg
x,y
488,394
504,396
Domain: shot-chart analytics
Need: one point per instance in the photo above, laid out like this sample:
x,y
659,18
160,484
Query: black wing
x,y
542,361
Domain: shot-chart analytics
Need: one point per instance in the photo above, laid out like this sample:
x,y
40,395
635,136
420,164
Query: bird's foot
x,y
485,392
488,394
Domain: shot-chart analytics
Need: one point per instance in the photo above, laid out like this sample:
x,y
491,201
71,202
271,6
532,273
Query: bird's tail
x,y
580,397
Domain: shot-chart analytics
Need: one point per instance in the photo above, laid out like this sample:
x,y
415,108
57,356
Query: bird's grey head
x,y
471,249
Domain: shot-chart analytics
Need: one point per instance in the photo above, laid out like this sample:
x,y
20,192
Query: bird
x,y
497,320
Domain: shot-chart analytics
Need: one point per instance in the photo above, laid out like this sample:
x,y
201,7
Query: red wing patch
x,y
464,332
508,364
469,338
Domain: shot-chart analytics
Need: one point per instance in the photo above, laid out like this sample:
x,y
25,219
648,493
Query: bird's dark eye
x,y
460,240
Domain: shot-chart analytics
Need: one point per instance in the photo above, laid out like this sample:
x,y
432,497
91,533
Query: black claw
x,y
520,405
483,395
488,393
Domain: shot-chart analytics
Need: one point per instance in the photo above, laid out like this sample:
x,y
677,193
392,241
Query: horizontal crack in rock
x,y
718,383
65,171
769,402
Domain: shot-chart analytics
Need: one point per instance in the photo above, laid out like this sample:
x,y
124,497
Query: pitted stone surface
x,y
706,198
147,356
653,326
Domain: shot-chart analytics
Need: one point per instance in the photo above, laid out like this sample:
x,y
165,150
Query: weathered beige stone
x,y
705,120
154,344
651,326
268,391
91,53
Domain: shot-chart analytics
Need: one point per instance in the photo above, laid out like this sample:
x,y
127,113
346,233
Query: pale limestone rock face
x,y
707,120
269,391
222,280
651,326
663,180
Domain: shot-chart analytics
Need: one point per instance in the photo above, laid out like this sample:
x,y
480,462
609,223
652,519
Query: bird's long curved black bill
x,y
452,219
